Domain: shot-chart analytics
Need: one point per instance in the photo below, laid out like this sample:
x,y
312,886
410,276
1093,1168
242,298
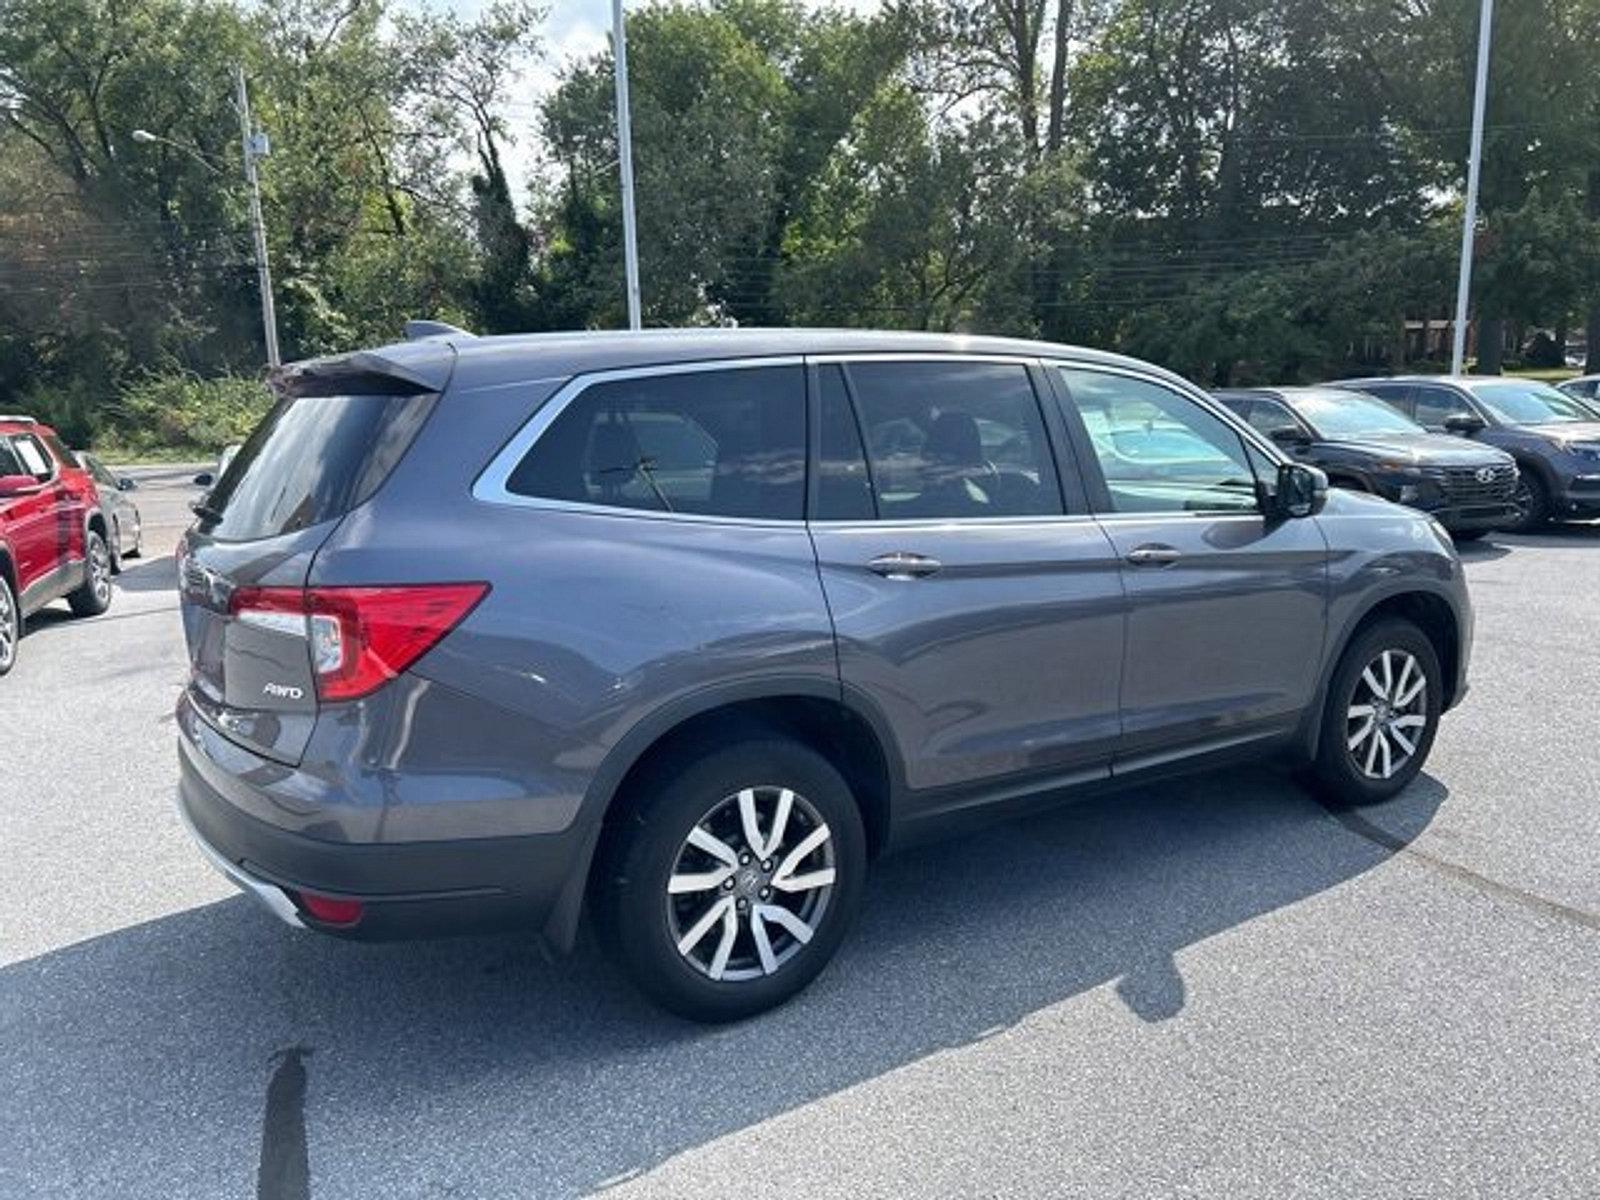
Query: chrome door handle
x,y
902,565
1153,555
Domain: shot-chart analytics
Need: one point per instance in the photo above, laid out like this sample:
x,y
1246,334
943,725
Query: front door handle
x,y
1154,554
903,565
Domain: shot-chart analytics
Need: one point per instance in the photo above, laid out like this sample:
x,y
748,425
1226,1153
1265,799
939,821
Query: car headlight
x,y
1585,450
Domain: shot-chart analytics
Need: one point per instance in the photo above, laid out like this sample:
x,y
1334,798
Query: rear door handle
x,y
1153,555
903,565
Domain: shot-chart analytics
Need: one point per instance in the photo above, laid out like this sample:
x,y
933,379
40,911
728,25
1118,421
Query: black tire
x,y
115,546
642,922
94,597
1339,773
1532,499
10,626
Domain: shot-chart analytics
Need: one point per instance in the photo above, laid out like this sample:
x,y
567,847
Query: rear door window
x,y
953,439
312,459
35,460
10,464
726,443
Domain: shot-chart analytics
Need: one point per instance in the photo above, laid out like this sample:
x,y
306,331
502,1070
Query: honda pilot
x,y
683,629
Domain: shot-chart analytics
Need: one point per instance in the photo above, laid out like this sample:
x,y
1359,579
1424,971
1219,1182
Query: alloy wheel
x,y
750,884
1388,714
8,628
100,570
1522,500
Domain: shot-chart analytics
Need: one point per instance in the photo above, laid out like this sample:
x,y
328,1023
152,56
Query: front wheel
x,y
1532,502
729,887
1381,715
94,597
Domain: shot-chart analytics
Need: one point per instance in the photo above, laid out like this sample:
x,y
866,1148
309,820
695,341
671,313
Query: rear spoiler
x,y
385,372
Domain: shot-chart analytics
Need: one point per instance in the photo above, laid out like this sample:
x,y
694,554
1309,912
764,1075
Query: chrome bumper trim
x,y
272,898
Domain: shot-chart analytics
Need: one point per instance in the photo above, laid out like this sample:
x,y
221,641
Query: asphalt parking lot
x,y
1211,988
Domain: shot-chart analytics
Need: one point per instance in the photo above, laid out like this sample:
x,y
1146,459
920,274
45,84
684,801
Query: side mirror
x,y
126,484
205,479
17,485
1287,435
1465,424
1302,490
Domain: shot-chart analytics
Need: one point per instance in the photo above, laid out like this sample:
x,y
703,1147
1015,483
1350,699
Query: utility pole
x,y
1458,349
630,235
255,147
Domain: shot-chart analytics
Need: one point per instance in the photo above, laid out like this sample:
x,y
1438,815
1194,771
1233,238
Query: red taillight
x,y
361,637
329,910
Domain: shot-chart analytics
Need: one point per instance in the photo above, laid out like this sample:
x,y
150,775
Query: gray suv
x,y
1554,437
683,629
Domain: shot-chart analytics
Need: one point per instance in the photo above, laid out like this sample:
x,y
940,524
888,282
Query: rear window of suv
x,y
727,442
312,459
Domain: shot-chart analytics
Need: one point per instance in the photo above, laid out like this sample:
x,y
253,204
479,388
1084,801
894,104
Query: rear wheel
x,y
115,546
94,597
1532,502
730,887
10,626
1381,715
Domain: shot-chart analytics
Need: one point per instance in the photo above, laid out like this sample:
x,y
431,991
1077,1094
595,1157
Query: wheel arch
x,y
95,521
1431,611
844,728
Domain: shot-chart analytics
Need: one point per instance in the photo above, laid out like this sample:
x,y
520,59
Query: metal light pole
x,y
255,147
630,237
1458,349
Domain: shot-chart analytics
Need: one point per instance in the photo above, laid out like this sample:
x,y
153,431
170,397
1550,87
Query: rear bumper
x,y
407,889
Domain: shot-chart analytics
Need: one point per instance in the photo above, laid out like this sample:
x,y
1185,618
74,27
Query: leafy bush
x,y
71,406
182,412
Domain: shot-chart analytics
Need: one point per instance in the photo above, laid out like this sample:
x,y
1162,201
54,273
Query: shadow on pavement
x,y
149,575
140,1058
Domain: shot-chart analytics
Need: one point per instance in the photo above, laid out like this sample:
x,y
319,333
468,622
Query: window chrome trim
x,y
491,484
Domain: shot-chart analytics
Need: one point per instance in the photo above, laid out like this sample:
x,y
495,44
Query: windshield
x,y
1529,403
1346,414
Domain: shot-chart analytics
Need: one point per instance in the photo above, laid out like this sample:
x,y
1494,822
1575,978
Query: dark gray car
x,y
1362,443
1554,437
685,628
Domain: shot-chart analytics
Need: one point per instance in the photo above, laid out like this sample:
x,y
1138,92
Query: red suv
x,y
52,532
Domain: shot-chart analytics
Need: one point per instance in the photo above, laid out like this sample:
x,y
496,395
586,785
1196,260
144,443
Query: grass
x,y
1546,374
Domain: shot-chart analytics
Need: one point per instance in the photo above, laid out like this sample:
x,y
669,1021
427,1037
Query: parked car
x,y
52,532
1362,443
1585,390
127,529
684,628
1554,438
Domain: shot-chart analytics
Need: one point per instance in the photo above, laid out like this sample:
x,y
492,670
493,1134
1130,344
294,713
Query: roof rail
x,y
416,331
18,420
